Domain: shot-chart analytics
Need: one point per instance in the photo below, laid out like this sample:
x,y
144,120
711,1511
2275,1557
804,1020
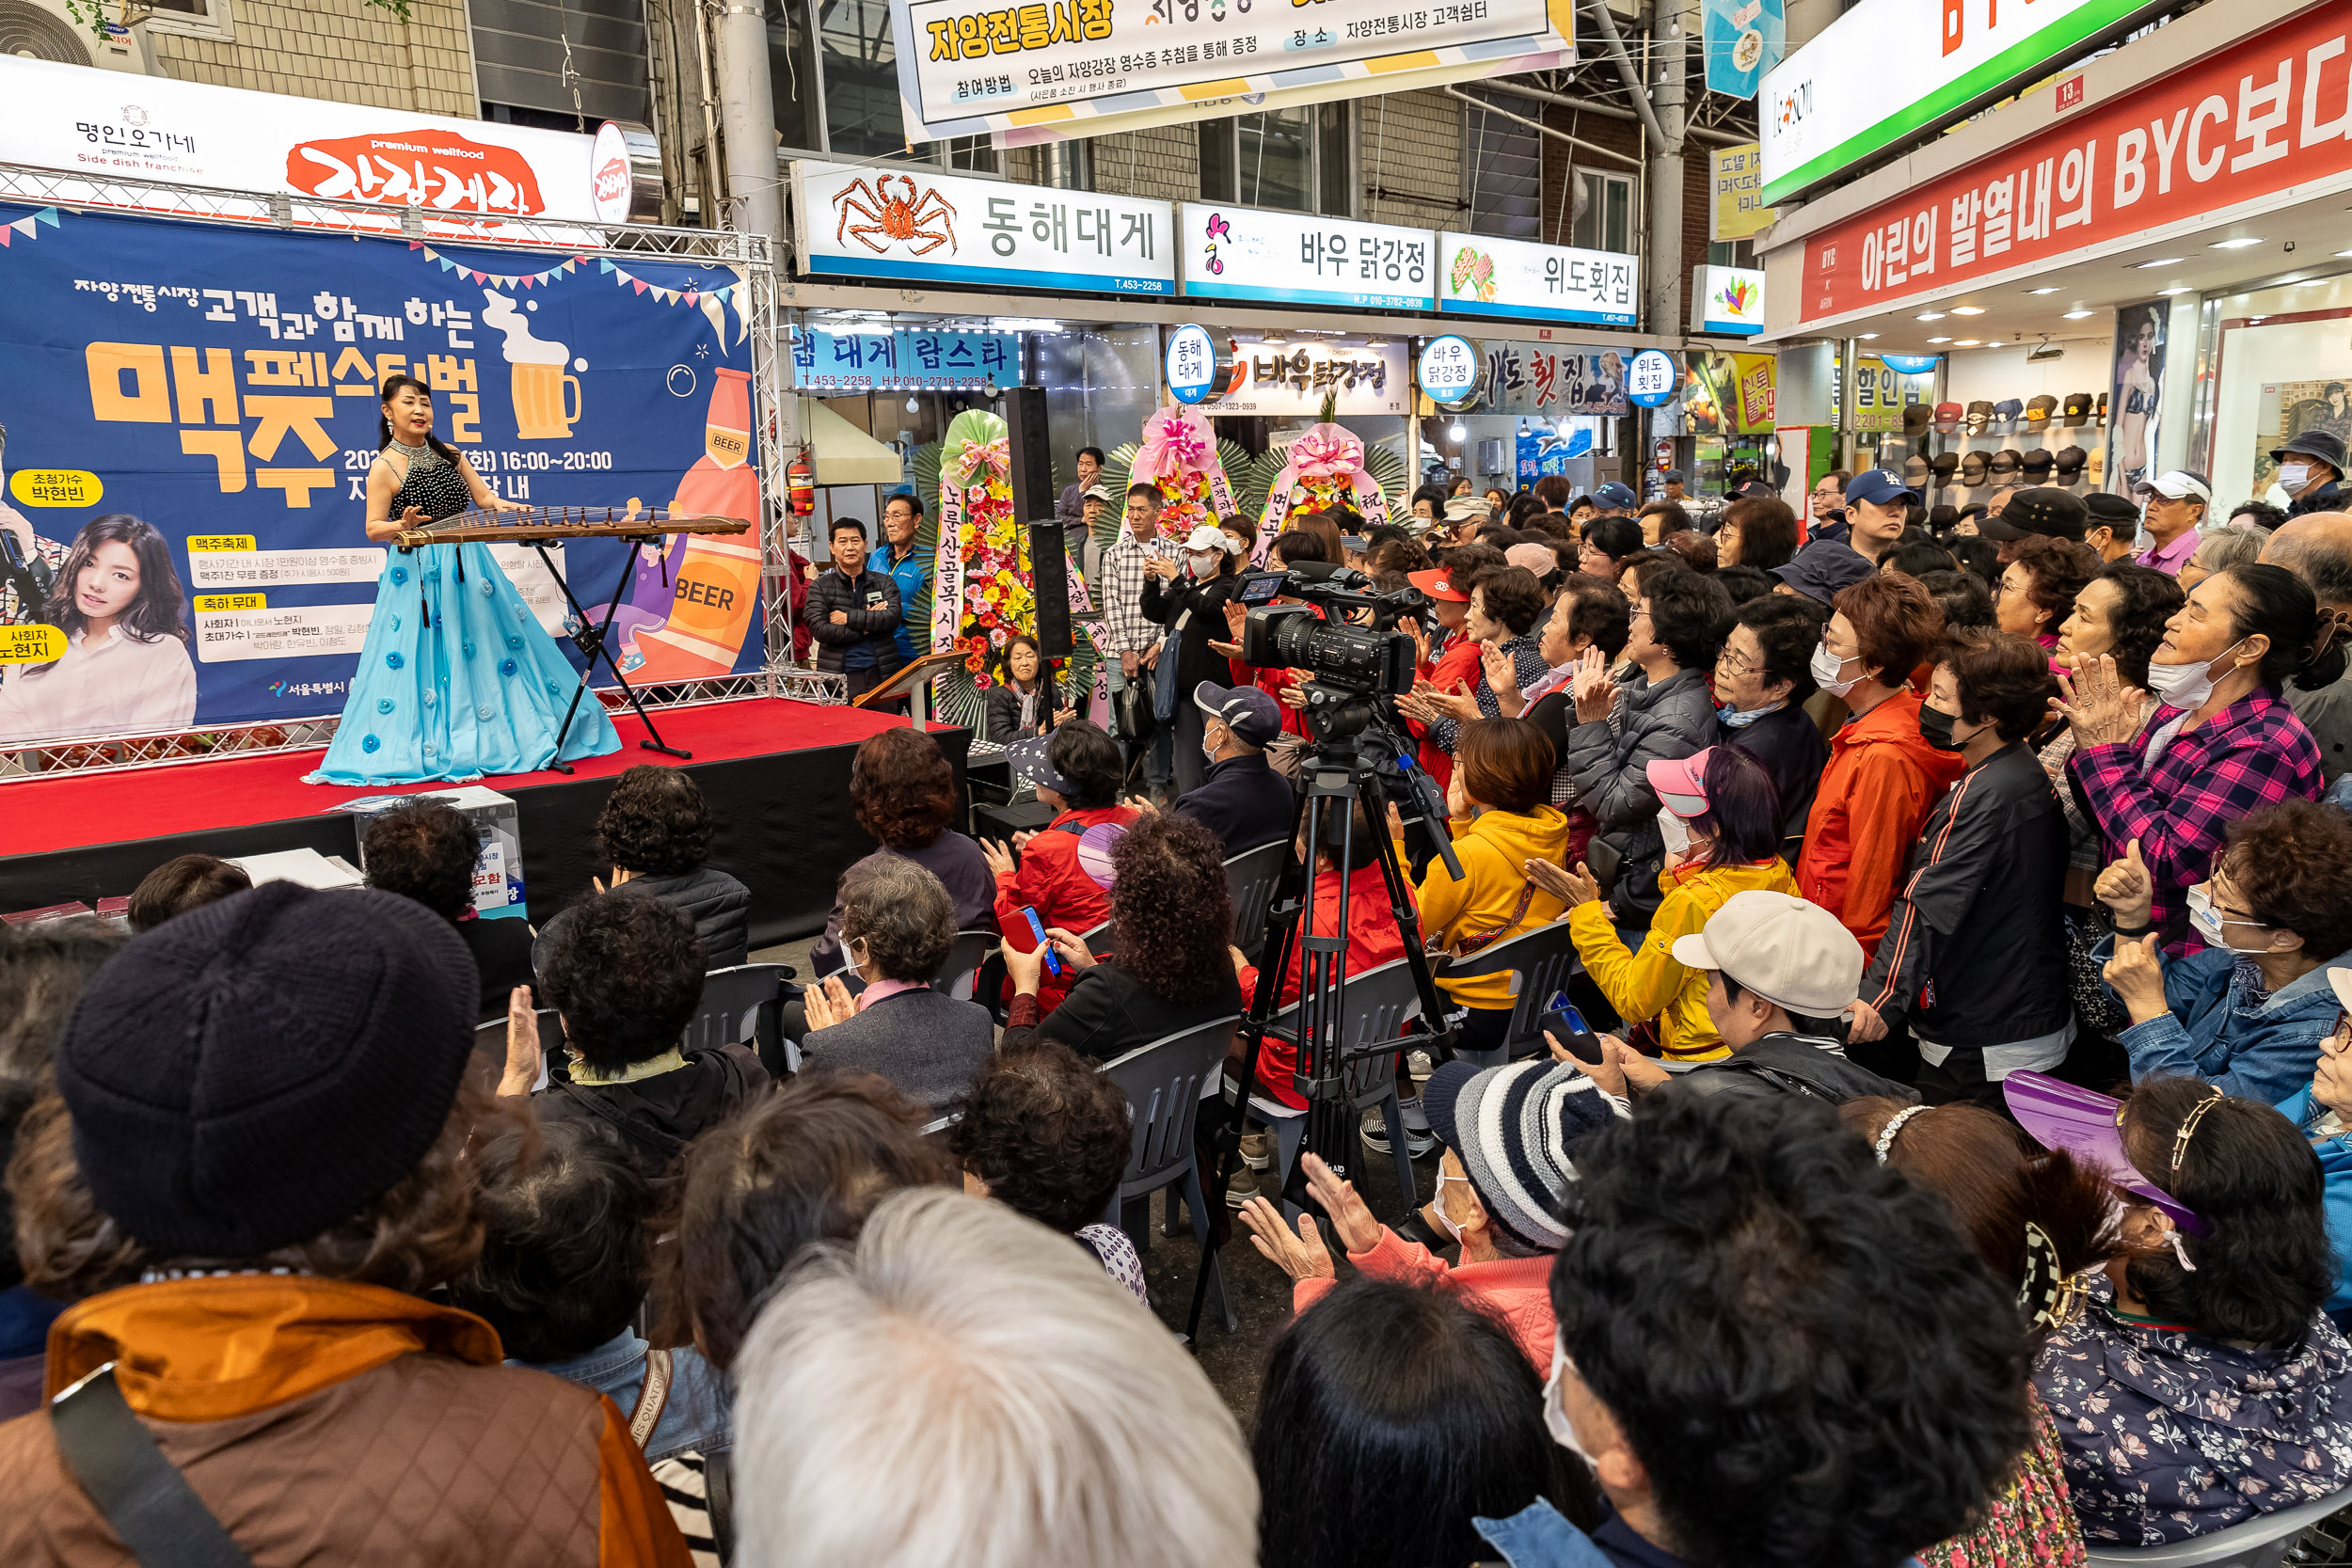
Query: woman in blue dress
x,y
456,680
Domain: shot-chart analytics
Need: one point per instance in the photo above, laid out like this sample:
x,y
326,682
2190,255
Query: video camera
x,y
1367,657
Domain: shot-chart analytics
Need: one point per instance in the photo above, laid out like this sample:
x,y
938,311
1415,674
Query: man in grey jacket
x,y
853,613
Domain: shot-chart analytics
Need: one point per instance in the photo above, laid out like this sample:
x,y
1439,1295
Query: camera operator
x,y
1189,600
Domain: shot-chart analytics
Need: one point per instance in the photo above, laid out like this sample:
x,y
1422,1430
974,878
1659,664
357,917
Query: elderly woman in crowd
x,y
1883,774
2002,1189
1757,530
2120,613
2248,1010
2222,742
1501,1187
1391,1418
1763,679
1974,959
1173,913
2037,587
1503,605
1722,827
2218,549
1664,712
2322,1110
1609,544
1046,1135
654,832
2201,1385
806,1163
1083,772
897,926
1589,612
903,793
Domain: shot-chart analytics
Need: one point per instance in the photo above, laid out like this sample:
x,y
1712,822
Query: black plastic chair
x,y
960,976
1251,877
741,1003
1540,962
1163,1083
1380,1002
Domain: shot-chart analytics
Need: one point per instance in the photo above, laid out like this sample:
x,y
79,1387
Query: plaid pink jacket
x,y
2255,753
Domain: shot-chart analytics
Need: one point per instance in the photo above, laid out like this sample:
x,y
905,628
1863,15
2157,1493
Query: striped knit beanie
x,y
1513,1128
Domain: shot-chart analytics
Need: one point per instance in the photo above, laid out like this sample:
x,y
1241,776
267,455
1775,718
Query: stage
x,y
776,772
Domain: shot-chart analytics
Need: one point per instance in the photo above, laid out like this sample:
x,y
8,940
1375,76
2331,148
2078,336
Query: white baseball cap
x,y
2180,483
1792,953
1208,536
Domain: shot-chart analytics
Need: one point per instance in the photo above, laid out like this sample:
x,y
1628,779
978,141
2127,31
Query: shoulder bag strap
x,y
719,1497
143,1494
651,1399
1466,945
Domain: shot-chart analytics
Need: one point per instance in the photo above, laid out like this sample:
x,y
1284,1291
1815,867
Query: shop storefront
x,y
2158,280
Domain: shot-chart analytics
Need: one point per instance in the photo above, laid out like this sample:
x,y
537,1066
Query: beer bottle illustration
x,y
713,582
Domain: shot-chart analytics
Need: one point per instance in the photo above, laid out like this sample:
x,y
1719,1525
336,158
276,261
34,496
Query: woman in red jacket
x,y
1064,867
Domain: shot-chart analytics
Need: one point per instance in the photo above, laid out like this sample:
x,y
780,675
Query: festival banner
x,y
199,404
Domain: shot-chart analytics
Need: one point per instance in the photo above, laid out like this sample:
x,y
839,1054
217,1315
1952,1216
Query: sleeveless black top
x,y
432,485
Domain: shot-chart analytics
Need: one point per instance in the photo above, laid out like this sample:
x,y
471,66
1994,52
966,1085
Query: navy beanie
x,y
254,1072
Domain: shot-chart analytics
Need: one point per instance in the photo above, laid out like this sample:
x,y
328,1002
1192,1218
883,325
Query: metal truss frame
x,y
778,675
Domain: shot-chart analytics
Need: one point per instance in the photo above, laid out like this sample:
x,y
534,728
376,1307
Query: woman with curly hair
x,y
1046,1135
1173,915
903,792
2035,593
655,833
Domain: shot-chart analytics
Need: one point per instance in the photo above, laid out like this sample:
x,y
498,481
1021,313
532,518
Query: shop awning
x,y
846,455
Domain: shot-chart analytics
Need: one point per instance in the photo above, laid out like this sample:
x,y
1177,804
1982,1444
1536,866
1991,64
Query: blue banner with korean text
x,y
834,362
191,412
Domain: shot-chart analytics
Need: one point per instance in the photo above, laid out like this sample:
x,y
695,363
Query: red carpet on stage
x,y
47,814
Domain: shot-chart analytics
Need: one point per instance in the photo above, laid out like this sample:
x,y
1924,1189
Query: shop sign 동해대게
x,y
879,222
2270,113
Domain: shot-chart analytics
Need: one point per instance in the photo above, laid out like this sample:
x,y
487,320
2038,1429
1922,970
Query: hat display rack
x,y
1986,445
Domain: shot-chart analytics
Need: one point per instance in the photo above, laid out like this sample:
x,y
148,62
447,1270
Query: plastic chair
x,y
1380,1002
1540,962
960,976
1101,940
2260,1542
1163,1083
1251,876
739,1004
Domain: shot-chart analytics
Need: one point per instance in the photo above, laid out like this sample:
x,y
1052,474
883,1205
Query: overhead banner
x,y
1250,253
1479,275
1888,69
1743,39
858,222
196,411
2271,112
124,126
828,362
1738,213
1290,381
1053,69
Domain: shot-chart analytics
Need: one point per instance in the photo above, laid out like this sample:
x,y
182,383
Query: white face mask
x,y
2212,925
1204,562
2292,475
2187,685
1555,1416
1674,830
1826,666
1437,1202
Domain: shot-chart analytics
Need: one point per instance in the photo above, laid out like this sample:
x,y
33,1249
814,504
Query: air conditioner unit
x,y
2038,355
45,30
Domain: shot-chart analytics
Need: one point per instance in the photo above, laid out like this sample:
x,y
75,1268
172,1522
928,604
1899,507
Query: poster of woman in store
x,y
2138,373
124,666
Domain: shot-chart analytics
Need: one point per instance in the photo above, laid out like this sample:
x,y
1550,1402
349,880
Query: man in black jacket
x,y
1975,952
853,613
1783,970
1244,802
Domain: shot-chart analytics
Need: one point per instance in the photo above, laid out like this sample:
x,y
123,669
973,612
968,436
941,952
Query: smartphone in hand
x,y
1036,927
1567,1025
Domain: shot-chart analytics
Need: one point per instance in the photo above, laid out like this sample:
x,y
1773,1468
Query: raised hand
x,y
2126,887
1352,1222
1595,692
1301,1257
2100,706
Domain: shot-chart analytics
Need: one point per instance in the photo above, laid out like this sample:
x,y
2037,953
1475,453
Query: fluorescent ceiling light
x,y
1995,343
2079,315
2159,261
1966,342
2232,245
2048,291
2174,291
1939,340
1867,336
1930,315
1967,310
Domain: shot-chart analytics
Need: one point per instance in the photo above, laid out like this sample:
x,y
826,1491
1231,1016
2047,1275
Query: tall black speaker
x,y
1033,508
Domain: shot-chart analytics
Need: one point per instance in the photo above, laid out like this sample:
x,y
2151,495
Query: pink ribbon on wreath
x,y
1175,444
996,455
1326,451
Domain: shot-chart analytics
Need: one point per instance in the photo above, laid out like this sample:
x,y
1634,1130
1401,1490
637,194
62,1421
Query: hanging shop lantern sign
x,y
1201,365
1451,372
1652,379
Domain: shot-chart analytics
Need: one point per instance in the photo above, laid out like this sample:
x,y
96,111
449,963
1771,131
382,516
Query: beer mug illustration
x,y
547,399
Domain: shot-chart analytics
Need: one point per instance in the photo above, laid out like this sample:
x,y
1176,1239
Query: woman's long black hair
x,y
392,384
2304,643
156,613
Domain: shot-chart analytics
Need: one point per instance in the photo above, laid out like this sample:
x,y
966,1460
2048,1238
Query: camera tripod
x,y
1342,771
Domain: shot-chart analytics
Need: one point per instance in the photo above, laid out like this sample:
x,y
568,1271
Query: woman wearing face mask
x,y
1721,825
1500,1188
2201,1385
1883,774
1189,600
2248,1010
1974,958
2323,1111
2121,613
2221,743
897,926
1763,678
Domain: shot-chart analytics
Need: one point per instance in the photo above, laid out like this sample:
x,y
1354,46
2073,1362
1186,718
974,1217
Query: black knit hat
x,y
258,1071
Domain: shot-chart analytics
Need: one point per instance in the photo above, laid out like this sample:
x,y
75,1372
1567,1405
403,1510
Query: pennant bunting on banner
x,y
504,280
28,227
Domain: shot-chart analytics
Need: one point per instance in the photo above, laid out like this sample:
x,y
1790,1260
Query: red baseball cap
x,y
1438,584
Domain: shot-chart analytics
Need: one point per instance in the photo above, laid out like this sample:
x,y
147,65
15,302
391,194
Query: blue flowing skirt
x,y
457,680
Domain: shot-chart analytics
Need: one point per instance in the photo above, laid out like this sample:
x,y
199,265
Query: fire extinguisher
x,y
800,481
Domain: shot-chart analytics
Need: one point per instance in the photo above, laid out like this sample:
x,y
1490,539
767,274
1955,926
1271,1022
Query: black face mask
x,y
1935,728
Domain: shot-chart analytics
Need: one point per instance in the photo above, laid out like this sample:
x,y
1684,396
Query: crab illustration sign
x,y
853,222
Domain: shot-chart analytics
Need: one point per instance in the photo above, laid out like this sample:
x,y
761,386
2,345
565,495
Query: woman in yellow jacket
x,y
1498,797
1721,819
